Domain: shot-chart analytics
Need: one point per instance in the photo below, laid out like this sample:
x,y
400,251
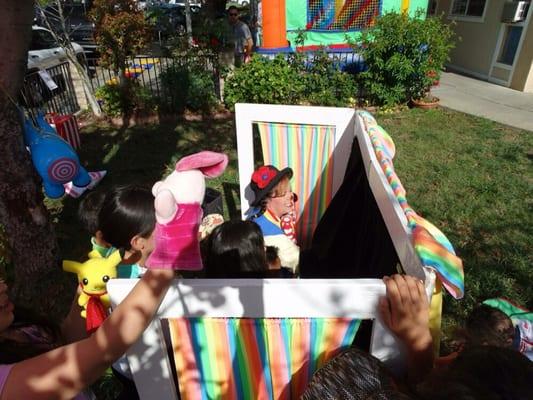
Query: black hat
x,y
264,179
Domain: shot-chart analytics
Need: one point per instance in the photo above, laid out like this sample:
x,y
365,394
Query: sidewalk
x,y
484,99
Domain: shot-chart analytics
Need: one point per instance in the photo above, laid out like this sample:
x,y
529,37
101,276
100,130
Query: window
x,y
468,8
349,15
510,44
41,40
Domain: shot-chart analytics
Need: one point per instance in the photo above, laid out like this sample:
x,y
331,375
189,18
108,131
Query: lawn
x,y
469,176
473,179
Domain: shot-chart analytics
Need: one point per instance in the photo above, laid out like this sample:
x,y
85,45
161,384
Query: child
x,y
275,269
488,325
235,249
63,372
274,212
88,215
522,320
127,220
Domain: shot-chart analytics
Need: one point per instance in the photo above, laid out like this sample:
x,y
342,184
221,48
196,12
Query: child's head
x,y
235,249
272,257
489,326
481,372
272,189
127,218
88,211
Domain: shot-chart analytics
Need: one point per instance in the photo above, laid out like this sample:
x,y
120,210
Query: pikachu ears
x,y
72,266
116,257
95,254
75,267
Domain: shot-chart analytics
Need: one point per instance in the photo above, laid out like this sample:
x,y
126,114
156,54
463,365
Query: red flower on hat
x,y
262,176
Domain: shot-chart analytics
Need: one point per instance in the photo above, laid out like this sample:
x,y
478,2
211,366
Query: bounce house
x,y
325,22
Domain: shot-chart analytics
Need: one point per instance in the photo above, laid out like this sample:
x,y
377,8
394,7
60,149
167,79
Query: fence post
x,y
77,83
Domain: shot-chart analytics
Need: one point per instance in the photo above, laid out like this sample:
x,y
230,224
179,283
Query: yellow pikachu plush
x,y
93,276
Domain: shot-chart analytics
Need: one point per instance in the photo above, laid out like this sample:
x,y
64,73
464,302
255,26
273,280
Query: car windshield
x,y
41,39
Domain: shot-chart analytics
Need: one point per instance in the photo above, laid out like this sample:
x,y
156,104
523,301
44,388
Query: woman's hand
x,y
405,311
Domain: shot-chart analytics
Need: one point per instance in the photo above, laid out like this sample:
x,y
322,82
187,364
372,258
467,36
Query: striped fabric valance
x,y
308,150
243,358
431,245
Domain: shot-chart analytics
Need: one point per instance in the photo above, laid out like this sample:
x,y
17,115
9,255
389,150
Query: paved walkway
x,y
484,99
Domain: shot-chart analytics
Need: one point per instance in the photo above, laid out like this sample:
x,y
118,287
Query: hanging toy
x,y
93,276
54,159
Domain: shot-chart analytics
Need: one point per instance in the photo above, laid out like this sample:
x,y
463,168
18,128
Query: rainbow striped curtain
x,y
308,150
243,358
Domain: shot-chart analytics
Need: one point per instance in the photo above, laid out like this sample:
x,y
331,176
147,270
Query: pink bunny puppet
x,y
178,200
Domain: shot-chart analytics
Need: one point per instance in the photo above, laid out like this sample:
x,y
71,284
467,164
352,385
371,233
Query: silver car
x,y
45,52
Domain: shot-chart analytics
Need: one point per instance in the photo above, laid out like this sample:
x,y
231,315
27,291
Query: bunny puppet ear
x,y
211,164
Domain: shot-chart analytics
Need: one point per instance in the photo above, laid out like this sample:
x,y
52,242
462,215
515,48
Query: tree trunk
x,y
37,282
188,22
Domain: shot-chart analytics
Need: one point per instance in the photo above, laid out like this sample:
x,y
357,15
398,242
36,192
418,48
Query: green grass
x,y
143,155
471,177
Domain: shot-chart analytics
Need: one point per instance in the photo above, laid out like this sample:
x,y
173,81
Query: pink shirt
x,y
4,373
177,245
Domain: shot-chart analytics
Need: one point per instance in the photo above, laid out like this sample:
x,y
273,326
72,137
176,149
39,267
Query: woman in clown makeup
x,y
274,212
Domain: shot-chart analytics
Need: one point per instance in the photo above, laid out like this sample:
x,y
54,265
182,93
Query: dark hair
x,y
232,8
481,373
487,325
127,211
272,254
236,249
88,210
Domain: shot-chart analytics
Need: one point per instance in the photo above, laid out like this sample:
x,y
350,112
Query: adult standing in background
x,y
242,37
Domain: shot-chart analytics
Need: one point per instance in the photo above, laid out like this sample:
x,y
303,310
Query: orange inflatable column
x,y
274,25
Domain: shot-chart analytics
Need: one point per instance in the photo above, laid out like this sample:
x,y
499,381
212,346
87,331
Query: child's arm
x,y
405,312
64,372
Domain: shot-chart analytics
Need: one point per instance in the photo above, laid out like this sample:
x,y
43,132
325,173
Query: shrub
x,y
326,85
404,57
121,31
187,87
264,81
130,99
293,80
174,86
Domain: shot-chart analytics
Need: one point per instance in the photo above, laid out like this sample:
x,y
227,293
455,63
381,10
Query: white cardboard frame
x,y
343,119
347,125
253,298
388,205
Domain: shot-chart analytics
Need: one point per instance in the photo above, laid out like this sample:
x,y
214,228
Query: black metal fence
x,y
150,71
58,96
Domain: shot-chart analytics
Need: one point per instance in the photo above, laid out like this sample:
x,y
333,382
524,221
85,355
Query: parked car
x,y
45,52
76,23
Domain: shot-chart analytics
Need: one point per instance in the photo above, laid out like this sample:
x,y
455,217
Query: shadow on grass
x,y
141,155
